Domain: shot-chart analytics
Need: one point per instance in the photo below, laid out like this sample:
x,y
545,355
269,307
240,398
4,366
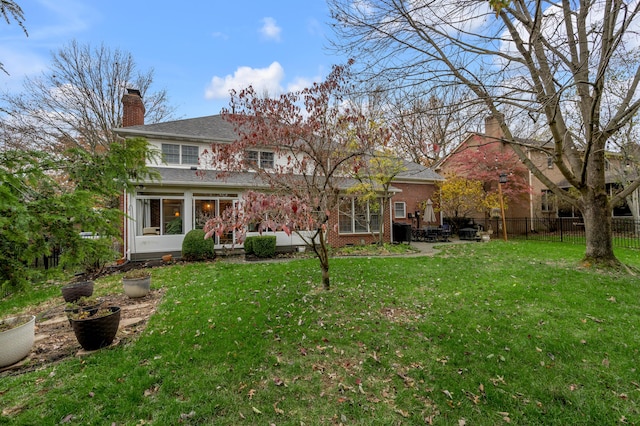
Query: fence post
x,y
561,229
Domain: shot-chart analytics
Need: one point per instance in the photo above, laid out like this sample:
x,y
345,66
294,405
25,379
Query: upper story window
x,y
179,154
260,159
549,162
546,201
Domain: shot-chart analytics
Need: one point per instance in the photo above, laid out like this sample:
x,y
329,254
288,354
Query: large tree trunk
x,y
597,225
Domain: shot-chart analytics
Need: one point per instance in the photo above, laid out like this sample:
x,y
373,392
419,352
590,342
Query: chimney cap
x,y
133,92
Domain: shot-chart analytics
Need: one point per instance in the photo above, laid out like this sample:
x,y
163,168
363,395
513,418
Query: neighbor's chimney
x,y
132,109
492,126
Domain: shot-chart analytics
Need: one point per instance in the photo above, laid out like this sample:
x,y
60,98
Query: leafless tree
x,y
520,58
10,10
425,130
77,101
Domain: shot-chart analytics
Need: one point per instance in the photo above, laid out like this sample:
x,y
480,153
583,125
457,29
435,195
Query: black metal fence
x,y
626,231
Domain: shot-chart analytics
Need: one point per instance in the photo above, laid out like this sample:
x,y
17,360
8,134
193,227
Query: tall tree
x,y
77,101
530,58
425,130
45,201
315,137
11,10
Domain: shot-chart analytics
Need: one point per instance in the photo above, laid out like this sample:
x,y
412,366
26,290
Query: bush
x,y
248,245
195,247
264,246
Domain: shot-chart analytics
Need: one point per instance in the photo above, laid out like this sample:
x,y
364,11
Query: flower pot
x,y
95,332
16,342
167,258
136,287
74,310
75,291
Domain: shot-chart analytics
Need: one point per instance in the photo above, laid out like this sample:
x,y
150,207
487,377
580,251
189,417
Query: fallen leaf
x,y
255,410
446,392
402,413
277,410
184,416
68,418
605,362
252,393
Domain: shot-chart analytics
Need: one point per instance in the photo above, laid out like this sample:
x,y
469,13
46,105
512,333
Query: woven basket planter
x,y
96,331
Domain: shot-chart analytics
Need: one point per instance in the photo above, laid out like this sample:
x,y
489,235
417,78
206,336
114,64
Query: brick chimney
x,y
132,109
492,126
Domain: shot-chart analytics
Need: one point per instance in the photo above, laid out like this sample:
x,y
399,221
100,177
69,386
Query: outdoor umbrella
x,y
429,214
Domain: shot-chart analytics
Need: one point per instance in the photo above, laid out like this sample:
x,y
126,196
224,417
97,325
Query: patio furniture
x,y
432,233
445,233
468,234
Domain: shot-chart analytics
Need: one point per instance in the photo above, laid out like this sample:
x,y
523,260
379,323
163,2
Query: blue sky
x,y
197,49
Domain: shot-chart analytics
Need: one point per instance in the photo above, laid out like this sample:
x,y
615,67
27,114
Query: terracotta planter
x,y
16,343
75,291
167,258
97,332
136,287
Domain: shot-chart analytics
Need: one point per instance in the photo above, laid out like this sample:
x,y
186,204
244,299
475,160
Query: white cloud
x,y
270,30
262,79
300,83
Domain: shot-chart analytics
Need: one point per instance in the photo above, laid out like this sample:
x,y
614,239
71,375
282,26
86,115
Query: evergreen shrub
x,y
264,246
195,247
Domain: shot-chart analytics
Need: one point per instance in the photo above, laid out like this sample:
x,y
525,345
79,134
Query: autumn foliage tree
x,y
315,137
460,197
485,163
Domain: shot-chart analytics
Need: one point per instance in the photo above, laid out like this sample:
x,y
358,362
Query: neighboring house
x,y
539,202
160,213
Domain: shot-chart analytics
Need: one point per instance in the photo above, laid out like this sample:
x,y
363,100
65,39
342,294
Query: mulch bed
x,y
55,340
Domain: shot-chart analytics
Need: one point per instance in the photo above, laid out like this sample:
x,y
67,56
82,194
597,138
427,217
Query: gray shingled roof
x,y
175,176
209,128
415,171
242,180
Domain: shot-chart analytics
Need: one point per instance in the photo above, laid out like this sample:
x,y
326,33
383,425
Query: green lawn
x,y
480,334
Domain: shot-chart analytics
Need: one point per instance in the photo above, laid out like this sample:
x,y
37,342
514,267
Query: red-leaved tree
x,y
315,137
485,163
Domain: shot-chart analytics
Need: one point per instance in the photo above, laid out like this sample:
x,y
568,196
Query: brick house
x,y
538,202
160,213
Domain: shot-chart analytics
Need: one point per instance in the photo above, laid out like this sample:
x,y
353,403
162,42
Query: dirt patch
x,y
56,341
